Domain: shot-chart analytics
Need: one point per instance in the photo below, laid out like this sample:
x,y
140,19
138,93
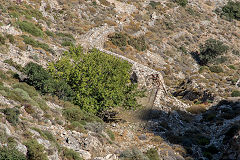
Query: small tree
x,y
210,50
100,81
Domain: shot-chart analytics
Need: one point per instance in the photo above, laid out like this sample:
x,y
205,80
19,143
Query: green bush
x,y
235,93
119,39
32,42
152,154
11,154
2,40
71,154
49,33
66,43
39,78
29,89
133,154
216,69
110,134
10,38
12,115
100,81
66,35
231,10
138,43
30,28
35,151
210,50
182,3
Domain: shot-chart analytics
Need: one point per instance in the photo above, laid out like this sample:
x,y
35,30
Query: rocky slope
x,y
187,113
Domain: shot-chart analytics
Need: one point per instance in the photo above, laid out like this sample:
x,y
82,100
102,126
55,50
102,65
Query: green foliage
x,y
66,43
11,154
100,81
133,154
29,89
71,154
154,4
216,69
32,42
66,35
11,115
10,38
182,3
35,151
2,40
152,154
235,93
138,43
14,64
231,10
119,39
210,50
122,40
39,78
30,28
49,33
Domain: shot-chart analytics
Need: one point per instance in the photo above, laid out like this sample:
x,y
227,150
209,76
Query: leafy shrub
x,y
235,93
32,42
2,40
39,78
35,151
66,35
216,69
14,64
231,10
12,115
210,50
182,3
100,81
30,28
152,154
11,154
70,154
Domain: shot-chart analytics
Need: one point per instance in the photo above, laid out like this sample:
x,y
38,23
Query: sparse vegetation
x,y
35,151
30,28
2,39
152,154
71,154
182,3
34,43
216,69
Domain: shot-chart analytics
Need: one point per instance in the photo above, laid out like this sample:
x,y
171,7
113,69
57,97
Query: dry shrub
x,y
197,109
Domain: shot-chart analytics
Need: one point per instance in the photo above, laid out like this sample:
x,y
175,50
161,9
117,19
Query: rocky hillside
x,y
185,53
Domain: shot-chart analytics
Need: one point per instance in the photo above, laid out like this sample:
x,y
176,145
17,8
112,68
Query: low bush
x,y
133,154
29,89
67,43
71,154
182,3
138,43
119,39
12,115
2,40
231,10
152,154
10,38
210,50
11,154
32,42
14,64
216,69
35,151
235,93
110,134
30,28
